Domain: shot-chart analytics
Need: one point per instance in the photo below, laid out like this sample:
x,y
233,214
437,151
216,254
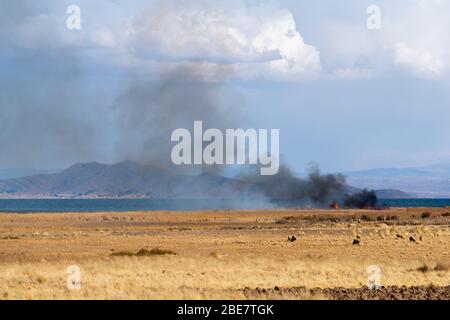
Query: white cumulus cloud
x,y
420,61
257,40
413,38
421,38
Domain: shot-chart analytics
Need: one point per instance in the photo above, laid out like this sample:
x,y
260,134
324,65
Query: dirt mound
x,y
384,293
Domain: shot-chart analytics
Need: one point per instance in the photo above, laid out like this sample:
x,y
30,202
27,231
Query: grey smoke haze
x,y
148,113
55,112
49,116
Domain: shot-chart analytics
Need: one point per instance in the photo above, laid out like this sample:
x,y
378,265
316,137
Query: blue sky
x,y
342,95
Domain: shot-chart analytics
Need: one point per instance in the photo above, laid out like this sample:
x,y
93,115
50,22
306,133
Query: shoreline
x,y
28,206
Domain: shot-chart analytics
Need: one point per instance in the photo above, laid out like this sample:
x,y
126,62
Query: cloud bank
x,y
413,40
259,40
252,40
255,41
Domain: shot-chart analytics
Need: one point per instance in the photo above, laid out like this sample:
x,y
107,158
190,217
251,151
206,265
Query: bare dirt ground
x,y
227,254
384,293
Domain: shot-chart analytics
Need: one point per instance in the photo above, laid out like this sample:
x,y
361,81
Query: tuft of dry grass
x,y
144,253
425,215
441,267
10,238
424,268
438,267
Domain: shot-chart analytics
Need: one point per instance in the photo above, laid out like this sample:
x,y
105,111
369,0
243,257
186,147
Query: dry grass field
x,y
227,254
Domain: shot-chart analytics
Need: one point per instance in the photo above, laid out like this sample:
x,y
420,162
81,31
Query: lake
x,y
121,205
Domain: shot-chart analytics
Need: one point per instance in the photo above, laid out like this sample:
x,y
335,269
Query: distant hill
x,y
428,182
13,173
392,194
125,179
388,173
131,180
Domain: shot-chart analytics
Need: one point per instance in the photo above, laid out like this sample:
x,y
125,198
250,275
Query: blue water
x,y
414,203
121,205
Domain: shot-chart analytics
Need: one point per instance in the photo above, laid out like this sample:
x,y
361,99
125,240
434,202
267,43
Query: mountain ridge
x,y
424,182
129,179
122,179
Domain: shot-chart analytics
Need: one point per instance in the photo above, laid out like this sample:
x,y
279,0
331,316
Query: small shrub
x,y
10,238
425,215
441,267
154,252
143,253
287,220
365,217
424,268
122,254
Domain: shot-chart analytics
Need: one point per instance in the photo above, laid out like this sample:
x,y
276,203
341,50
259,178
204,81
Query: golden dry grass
x,y
193,277
218,253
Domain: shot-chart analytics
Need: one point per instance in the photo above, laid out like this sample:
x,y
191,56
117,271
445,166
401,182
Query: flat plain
x,y
227,254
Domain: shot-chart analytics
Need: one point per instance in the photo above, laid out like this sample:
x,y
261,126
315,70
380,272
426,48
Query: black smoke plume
x,y
315,190
364,199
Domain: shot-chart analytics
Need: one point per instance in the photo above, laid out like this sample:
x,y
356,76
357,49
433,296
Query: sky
x,y
343,95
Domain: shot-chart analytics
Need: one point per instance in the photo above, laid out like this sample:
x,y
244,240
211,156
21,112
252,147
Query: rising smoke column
x,y
148,113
